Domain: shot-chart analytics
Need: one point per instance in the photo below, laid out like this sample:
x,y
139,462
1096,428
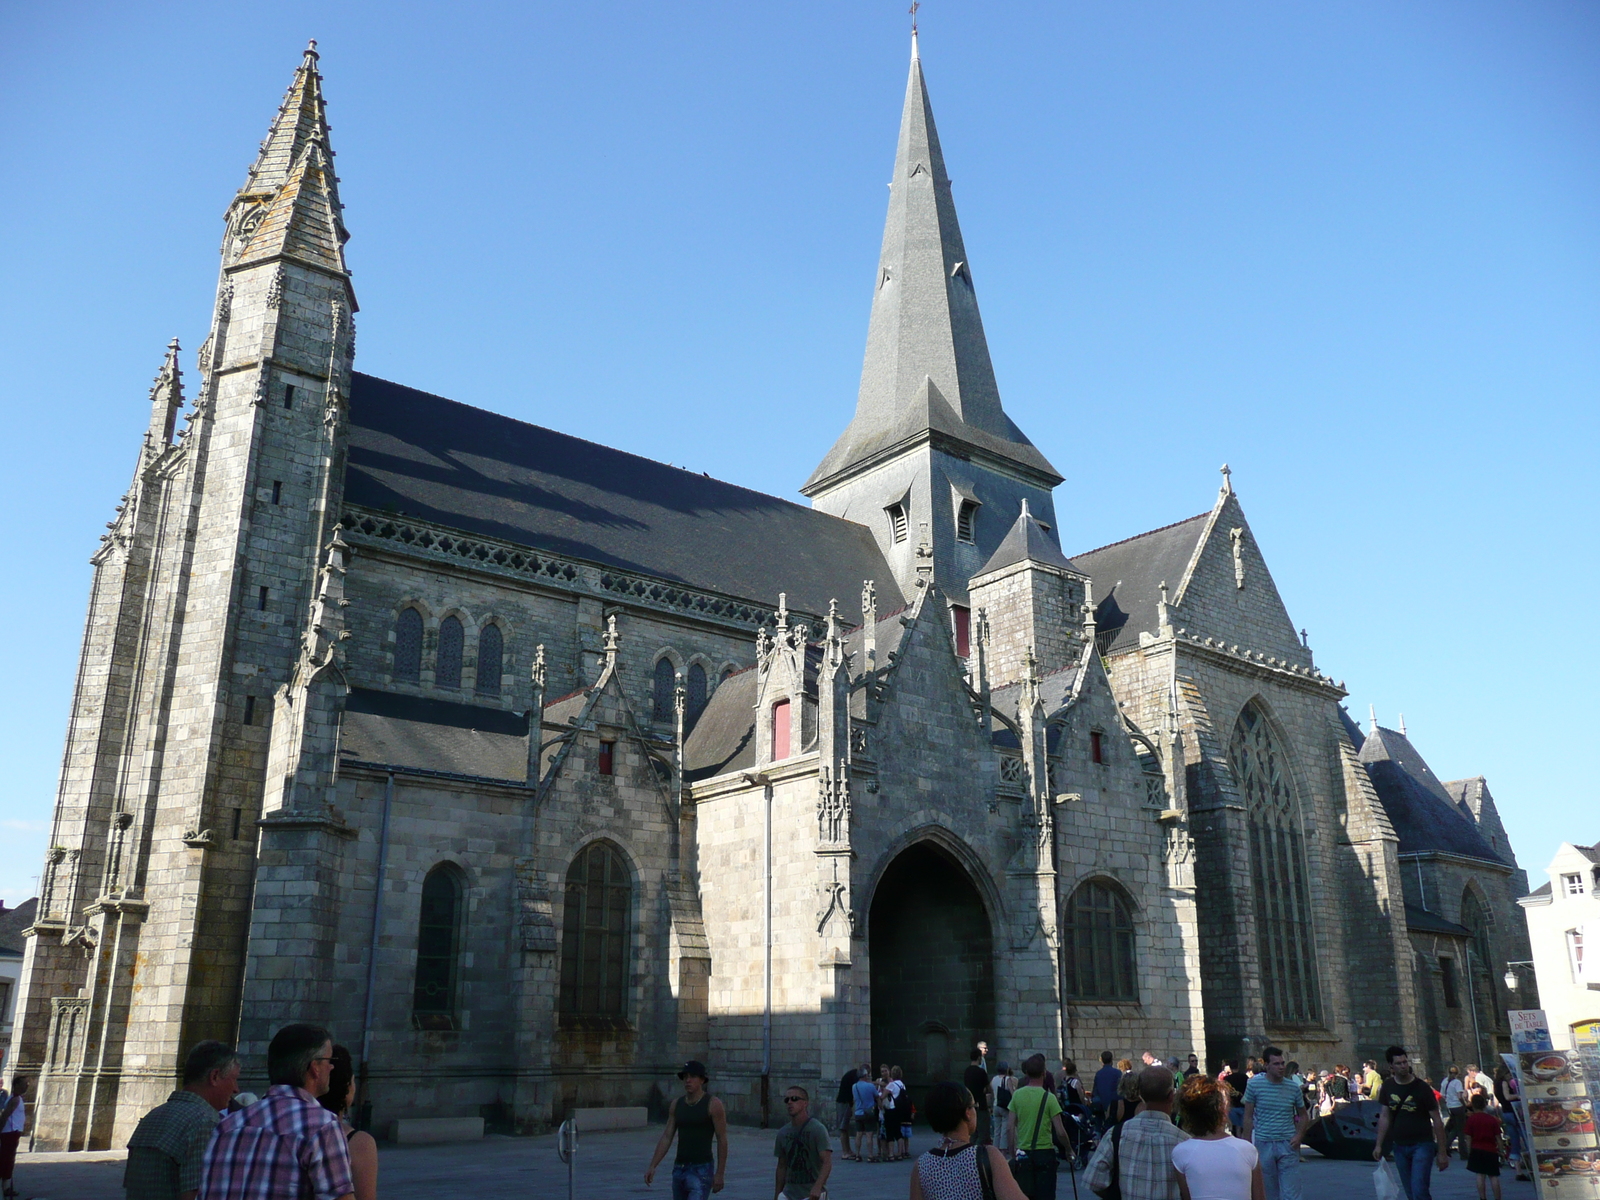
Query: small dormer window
x,y
967,521
899,521
1572,885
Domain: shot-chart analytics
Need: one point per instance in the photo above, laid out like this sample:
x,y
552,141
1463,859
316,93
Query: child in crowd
x,y
1483,1135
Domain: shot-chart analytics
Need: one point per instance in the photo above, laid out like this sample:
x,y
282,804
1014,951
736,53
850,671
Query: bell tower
x,y
930,459
201,591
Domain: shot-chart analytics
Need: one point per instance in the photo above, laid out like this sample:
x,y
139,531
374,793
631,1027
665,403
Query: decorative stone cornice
x,y
1250,662
418,539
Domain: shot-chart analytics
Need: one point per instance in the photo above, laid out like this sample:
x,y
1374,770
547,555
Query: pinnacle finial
x,y
311,49
1025,513
1227,480
1372,717
1402,725
915,4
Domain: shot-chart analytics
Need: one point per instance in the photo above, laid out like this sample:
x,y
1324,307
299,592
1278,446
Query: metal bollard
x,y
567,1148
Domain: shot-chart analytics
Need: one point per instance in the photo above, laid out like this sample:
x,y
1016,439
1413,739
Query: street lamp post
x,y
1511,974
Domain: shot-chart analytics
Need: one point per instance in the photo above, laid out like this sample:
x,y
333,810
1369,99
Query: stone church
x,y
533,767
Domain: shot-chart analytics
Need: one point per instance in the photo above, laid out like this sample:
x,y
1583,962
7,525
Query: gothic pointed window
x,y
408,646
594,939
433,1003
695,697
448,671
1480,967
491,660
1097,945
1284,943
661,689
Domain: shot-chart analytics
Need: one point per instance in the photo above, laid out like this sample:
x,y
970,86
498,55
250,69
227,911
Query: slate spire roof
x,y
927,371
1028,541
1422,811
291,198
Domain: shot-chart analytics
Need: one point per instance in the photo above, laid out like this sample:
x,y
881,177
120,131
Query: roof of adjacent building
x,y
1127,578
12,922
434,735
1424,815
723,739
424,456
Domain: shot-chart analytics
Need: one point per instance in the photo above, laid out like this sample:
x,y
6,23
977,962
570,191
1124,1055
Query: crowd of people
x,y
1165,1130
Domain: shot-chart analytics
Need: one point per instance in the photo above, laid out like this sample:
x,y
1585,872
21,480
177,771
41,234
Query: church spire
x,y
302,118
166,398
289,207
926,374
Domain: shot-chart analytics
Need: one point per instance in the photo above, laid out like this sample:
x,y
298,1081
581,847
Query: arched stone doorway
x,y
932,967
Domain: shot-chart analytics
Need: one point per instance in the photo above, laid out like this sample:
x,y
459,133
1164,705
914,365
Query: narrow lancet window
x,y
408,646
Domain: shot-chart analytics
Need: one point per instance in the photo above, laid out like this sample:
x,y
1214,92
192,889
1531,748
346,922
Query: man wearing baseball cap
x,y
692,1119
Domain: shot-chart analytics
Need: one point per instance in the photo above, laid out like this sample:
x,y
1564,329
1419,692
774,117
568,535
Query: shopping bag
x,y
1386,1182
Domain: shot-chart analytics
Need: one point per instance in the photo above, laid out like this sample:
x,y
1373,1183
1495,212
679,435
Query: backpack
x,y
1002,1098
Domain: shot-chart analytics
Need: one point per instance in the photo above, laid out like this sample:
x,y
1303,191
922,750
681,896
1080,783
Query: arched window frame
x,y
491,659
697,691
450,652
1478,918
441,916
1099,944
1280,878
409,630
663,683
596,955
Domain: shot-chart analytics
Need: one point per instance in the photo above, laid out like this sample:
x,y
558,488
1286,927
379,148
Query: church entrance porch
x,y
932,977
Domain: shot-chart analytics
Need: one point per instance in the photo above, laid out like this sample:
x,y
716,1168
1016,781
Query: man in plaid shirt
x,y
167,1148
286,1146
1143,1149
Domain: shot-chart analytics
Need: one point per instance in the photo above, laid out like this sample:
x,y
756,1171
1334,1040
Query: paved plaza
x,y
611,1166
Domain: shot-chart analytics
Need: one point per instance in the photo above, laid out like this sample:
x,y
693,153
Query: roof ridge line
x,y
1137,536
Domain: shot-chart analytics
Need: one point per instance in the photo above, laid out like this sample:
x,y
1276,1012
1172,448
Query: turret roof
x,y
1027,541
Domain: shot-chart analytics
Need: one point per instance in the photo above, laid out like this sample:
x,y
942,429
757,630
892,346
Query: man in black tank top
x,y
693,1118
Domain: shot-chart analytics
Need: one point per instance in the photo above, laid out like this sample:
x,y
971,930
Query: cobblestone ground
x,y
611,1166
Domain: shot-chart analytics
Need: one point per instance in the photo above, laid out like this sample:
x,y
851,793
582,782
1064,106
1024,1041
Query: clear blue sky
x,y
1352,249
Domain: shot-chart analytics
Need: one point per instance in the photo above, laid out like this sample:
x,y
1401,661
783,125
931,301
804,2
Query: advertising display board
x,y
1558,1113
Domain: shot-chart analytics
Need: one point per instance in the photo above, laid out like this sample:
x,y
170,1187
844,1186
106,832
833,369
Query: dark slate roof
x,y
434,735
1353,728
1420,920
1542,890
1127,579
1055,690
424,456
12,922
1027,541
1423,815
723,739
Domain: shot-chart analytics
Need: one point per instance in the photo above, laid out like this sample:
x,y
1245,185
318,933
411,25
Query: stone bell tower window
x,y
967,521
899,522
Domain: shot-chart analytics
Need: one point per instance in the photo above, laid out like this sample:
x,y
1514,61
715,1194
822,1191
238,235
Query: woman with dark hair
x,y
952,1169
1213,1164
341,1094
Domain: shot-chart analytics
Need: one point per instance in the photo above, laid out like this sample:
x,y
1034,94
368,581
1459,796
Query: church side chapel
x,y
534,768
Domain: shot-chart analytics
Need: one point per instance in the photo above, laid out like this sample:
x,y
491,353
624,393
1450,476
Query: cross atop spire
x,y
927,373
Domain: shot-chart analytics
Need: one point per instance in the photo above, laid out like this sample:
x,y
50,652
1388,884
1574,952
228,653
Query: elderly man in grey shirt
x,y
169,1143
1139,1151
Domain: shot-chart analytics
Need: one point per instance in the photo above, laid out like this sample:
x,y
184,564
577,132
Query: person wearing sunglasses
x,y
804,1158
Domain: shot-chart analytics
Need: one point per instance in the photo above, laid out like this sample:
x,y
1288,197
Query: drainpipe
x,y
372,943
766,1011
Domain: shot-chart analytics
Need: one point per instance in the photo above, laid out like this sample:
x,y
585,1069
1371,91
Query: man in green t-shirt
x,y
804,1159
1036,1128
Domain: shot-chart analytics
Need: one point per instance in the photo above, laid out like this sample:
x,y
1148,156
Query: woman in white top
x,y
1213,1164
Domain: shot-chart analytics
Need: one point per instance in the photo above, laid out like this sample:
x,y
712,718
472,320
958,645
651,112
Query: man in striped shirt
x,y
286,1146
